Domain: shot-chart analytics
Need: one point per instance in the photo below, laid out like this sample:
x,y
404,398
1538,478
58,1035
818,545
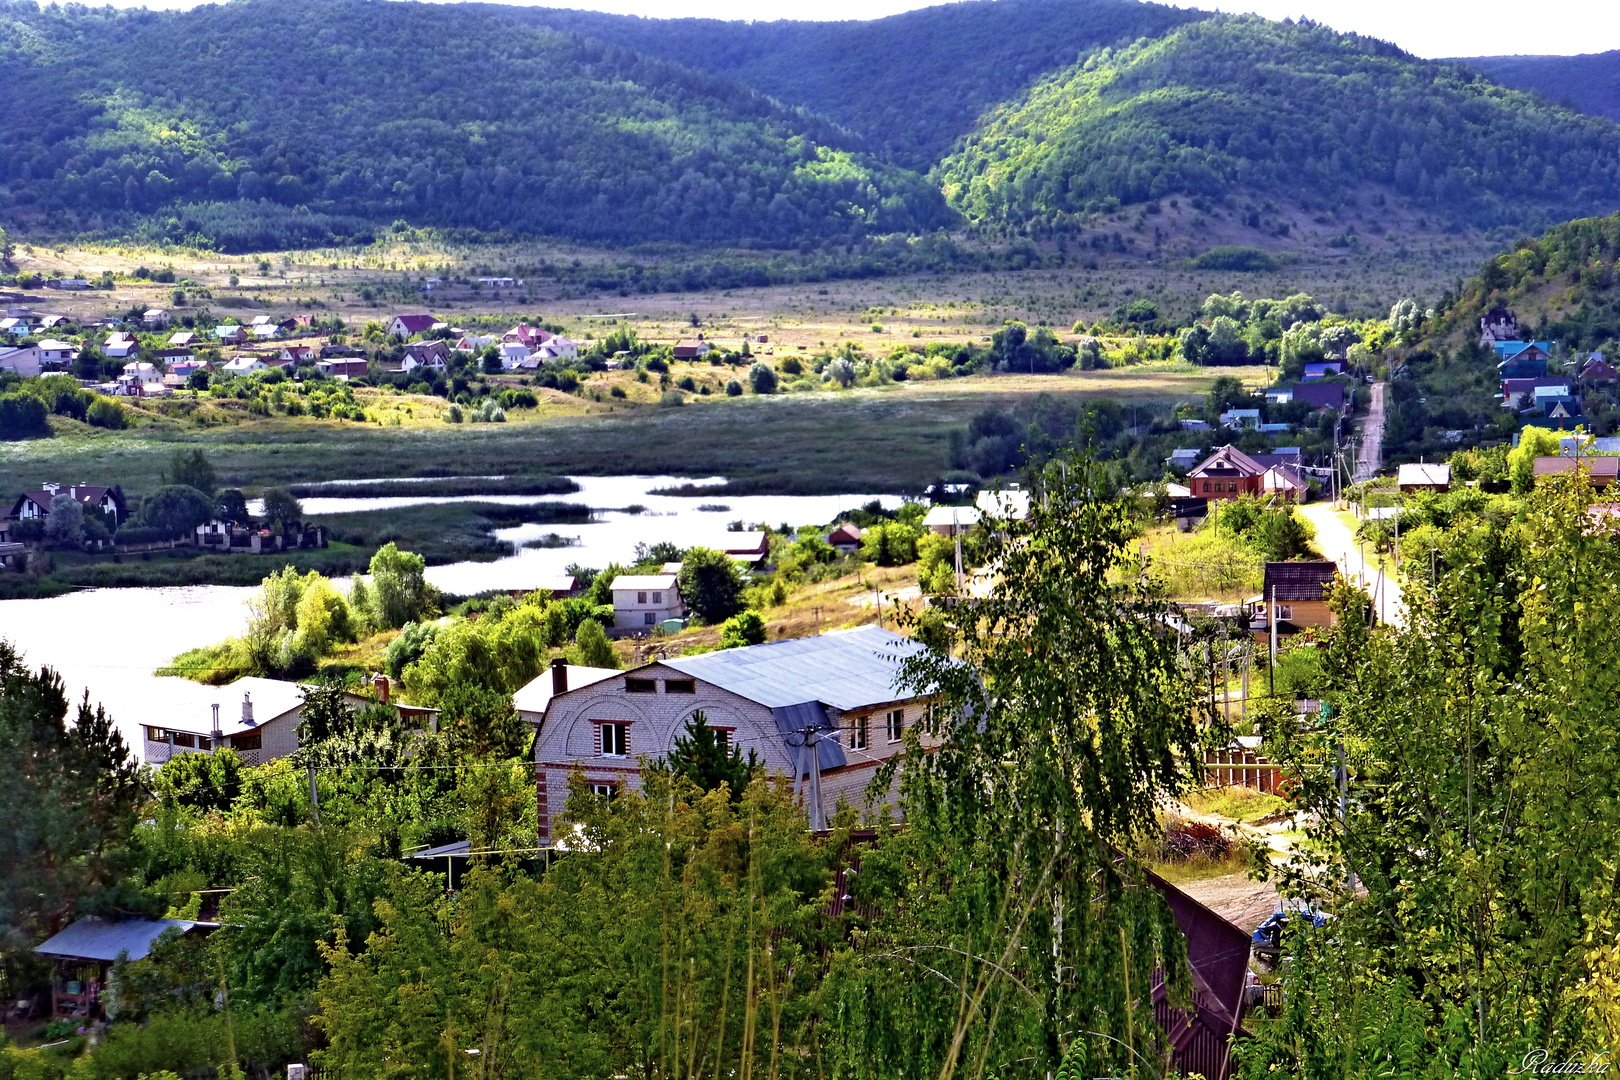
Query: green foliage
x,y
1588,83
1061,713
70,796
206,782
1534,442
22,416
591,645
191,468
281,510
204,158
762,379
1222,119
743,628
500,651
711,585
892,543
1481,827
707,759
399,594
175,510
104,412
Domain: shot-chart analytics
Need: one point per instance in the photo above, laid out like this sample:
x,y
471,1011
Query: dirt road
x,y
1374,573
1371,454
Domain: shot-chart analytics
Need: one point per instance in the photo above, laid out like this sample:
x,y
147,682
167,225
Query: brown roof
x,y
89,494
1299,580
1603,471
844,534
1228,461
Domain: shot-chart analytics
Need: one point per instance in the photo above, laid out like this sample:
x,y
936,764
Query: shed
x,y
1421,476
84,952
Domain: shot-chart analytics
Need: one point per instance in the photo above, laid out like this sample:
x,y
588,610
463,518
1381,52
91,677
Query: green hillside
x,y
910,85
1239,105
1564,285
1590,83
250,123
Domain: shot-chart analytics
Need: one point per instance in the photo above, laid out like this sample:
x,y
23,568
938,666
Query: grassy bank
x,y
450,483
892,438
450,532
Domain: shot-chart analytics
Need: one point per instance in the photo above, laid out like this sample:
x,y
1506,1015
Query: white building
x,y
641,602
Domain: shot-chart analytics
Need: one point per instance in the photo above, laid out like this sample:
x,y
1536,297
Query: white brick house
x,y
824,710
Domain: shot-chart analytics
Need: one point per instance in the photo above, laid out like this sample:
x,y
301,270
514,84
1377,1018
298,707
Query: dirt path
x,y
1336,542
1371,455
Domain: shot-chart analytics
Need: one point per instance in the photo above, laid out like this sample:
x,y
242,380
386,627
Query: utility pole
x,y
314,796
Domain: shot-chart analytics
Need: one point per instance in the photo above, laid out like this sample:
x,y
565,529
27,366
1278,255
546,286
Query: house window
x,y
615,739
649,618
251,741
641,598
658,598
155,734
640,686
182,739
857,733
895,724
604,789
722,739
680,686
1285,611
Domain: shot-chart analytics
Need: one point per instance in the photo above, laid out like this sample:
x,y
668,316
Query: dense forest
x,y
1589,83
1242,104
910,85
438,114
265,123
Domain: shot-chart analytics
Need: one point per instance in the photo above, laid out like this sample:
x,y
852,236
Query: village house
x,y
748,546
183,339
243,364
1597,371
532,699
35,504
1284,482
1228,473
692,350
1294,596
1433,476
426,354
156,318
1601,472
296,354
51,322
643,602
950,520
824,710
530,337
1519,394
68,284
120,346
1183,458
83,953
261,726
23,360
1239,419
352,368
475,343
845,538
1497,324
16,326
408,326
1009,503
559,348
56,355
230,334
1522,359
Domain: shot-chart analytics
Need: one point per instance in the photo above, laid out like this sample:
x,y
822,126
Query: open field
x,y
362,284
891,438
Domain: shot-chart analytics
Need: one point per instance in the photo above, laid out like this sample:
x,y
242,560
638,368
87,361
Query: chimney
x,y
380,686
247,708
559,676
216,722
51,488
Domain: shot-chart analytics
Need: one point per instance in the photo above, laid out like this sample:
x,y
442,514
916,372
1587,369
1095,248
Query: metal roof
x,y
847,669
642,581
1429,474
534,695
270,698
99,939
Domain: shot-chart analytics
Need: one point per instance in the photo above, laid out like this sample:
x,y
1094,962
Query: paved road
x,y
1371,454
1335,540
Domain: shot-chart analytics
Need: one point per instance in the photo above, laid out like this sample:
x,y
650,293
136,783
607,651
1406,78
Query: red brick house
x,y
1228,473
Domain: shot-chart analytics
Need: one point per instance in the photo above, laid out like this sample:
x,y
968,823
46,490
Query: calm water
x,y
110,640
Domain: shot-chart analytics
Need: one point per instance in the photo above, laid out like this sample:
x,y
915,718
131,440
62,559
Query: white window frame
x,y
620,742
858,733
895,724
605,789
1285,612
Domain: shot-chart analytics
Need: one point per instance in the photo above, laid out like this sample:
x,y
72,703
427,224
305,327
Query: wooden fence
x,y
1234,766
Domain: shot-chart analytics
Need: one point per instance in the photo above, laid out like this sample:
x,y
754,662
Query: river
x,y
109,641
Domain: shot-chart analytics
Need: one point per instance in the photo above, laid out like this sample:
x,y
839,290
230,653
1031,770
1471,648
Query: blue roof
x,y
847,669
100,939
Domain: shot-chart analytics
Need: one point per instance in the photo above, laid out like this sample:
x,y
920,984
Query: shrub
x,y
104,412
734,389
762,379
743,628
22,416
1184,840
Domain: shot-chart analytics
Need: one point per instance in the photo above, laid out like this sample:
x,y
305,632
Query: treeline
x,y
1240,104
1590,83
500,126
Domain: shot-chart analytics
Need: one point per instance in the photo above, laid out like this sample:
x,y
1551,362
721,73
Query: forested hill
x,y
1564,285
910,84
1590,83
222,119
1239,105
263,123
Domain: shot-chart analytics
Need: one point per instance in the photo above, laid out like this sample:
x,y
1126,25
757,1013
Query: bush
x,y
743,628
22,416
762,379
1184,840
104,412
734,389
